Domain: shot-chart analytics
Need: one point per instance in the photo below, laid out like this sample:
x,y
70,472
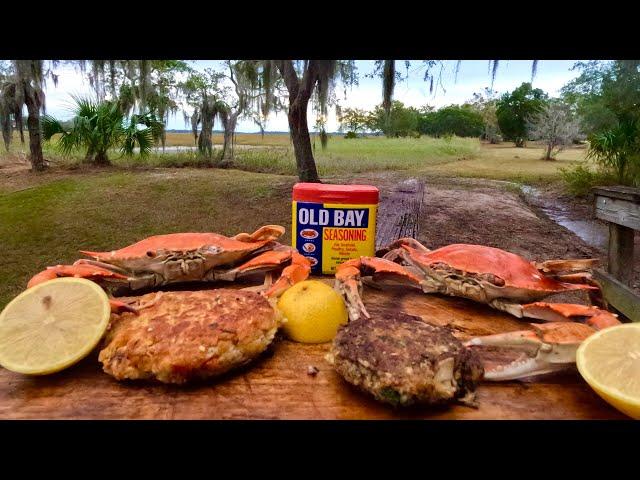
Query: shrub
x,y
453,120
581,179
351,134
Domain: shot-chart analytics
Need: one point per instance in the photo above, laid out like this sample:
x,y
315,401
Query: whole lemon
x,y
313,310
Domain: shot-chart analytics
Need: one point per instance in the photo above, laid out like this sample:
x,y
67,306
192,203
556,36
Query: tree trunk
x,y
205,143
300,91
33,125
299,130
88,158
229,133
548,153
101,159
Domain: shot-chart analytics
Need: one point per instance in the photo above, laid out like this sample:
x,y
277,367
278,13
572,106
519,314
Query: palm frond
x,y
50,127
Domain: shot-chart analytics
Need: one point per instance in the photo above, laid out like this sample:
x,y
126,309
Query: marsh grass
x,y
441,157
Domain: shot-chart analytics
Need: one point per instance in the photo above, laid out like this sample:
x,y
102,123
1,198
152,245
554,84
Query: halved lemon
x,y
313,310
53,325
609,361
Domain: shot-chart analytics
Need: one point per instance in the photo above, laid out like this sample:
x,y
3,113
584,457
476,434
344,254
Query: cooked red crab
x,y
500,279
497,278
189,257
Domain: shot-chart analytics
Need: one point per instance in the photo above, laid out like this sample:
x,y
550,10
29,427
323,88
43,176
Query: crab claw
x,y
90,272
118,307
406,241
547,348
298,271
349,280
562,312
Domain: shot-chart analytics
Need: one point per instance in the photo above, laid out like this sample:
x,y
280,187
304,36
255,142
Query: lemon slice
x,y
52,326
609,361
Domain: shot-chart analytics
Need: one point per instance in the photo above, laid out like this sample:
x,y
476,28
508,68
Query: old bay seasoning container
x,y
333,223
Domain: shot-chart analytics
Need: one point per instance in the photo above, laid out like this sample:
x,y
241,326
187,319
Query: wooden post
x,y
620,207
621,252
399,215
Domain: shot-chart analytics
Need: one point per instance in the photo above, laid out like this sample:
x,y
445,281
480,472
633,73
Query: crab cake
x,y
402,360
181,336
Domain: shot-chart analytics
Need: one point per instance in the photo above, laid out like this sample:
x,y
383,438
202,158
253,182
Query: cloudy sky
x,y
473,76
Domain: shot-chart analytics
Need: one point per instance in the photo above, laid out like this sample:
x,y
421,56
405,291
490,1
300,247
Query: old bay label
x,y
332,233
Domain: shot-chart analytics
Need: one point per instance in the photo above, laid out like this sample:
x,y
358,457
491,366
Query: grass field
x,y
443,157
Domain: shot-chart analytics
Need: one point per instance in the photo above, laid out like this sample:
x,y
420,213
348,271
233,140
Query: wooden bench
x,y
620,207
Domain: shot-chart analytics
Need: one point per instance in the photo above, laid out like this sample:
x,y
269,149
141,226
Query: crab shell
x,y
213,248
187,257
515,277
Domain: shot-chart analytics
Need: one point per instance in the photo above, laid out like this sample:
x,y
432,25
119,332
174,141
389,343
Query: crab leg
x,y
349,280
547,348
558,266
559,312
90,272
263,262
266,233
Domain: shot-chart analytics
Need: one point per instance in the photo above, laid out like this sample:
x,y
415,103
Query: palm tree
x,y
101,126
25,87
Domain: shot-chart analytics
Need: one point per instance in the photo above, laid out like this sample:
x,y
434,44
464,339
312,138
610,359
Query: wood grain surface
x,y
277,385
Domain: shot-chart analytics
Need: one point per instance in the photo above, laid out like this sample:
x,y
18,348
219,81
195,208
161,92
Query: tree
x,y
387,70
302,79
616,145
583,95
248,100
555,127
150,86
485,104
401,121
204,93
24,86
514,109
458,120
99,126
354,120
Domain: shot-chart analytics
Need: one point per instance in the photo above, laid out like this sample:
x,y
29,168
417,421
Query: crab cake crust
x,y
402,360
181,336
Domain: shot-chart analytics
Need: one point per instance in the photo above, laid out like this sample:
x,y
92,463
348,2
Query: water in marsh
x,y
592,232
185,148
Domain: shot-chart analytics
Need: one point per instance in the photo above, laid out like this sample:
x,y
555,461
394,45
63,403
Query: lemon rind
x,y
59,366
606,390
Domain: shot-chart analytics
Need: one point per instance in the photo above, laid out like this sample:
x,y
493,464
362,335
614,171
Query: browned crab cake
x,y
179,336
402,360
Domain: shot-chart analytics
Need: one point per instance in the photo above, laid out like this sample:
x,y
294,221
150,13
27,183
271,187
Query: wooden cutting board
x,y
277,385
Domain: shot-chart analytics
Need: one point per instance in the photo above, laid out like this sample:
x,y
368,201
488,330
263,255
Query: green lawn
x,y
443,157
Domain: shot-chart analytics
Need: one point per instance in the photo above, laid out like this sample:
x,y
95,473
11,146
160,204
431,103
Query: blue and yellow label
x,y
332,233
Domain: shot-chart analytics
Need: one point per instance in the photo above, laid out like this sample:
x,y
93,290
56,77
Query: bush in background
x,y
461,121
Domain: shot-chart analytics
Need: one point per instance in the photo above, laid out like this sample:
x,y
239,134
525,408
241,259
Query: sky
x,y
473,76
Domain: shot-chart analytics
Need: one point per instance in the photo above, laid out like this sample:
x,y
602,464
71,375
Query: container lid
x,y
328,193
